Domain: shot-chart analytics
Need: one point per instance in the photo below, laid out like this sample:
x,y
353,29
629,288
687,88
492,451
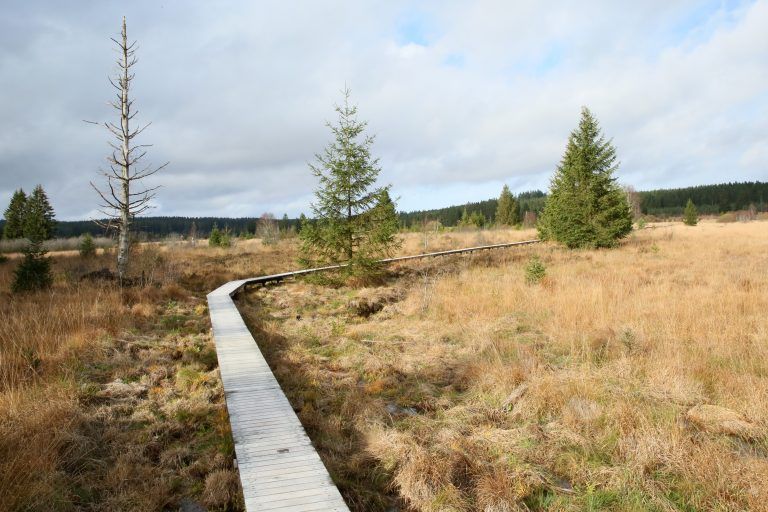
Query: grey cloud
x,y
238,94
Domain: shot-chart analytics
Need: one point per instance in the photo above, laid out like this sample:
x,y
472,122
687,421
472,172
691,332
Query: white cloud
x,y
463,96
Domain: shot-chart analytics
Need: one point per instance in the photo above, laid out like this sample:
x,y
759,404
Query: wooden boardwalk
x,y
279,468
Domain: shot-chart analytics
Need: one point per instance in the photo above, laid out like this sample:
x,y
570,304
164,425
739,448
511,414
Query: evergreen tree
x,y
215,239
691,214
585,206
348,209
34,270
14,216
39,223
87,247
464,221
384,227
506,211
225,238
476,219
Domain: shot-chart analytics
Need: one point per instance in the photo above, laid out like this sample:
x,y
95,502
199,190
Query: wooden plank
x,y
279,468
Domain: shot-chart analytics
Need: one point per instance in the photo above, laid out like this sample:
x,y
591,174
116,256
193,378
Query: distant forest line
x,y
709,199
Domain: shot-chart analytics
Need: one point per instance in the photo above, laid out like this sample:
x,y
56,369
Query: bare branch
x,y
122,202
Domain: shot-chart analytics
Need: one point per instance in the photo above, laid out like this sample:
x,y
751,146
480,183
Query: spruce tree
x,y
352,216
506,211
214,240
87,246
585,206
14,216
690,214
39,222
34,270
384,227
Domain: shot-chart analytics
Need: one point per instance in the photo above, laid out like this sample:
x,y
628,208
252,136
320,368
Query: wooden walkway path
x,y
279,468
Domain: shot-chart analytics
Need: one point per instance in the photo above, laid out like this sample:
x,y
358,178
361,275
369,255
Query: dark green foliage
x,y
709,199
354,220
690,214
471,220
34,271
39,223
226,238
535,271
14,216
87,247
383,227
585,206
506,210
220,238
215,239
451,216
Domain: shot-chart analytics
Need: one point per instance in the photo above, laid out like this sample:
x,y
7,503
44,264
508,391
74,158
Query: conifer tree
x,y
214,240
34,271
384,227
506,211
14,216
464,220
353,217
585,206
302,221
39,221
690,214
87,246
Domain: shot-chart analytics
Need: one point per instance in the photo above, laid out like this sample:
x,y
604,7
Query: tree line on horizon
x,y
709,200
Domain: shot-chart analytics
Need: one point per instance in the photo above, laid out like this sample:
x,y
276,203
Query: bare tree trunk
x,y
125,213
120,203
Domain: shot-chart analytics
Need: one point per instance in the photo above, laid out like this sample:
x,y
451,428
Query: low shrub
x,y
535,271
87,246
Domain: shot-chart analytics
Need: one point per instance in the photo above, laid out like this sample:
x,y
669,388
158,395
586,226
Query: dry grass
x,y
632,379
110,399
629,379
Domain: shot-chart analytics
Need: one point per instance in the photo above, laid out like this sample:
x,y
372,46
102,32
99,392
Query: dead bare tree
x,y
122,201
633,198
267,229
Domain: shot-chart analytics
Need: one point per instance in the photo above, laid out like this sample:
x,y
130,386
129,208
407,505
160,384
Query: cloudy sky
x,y
462,96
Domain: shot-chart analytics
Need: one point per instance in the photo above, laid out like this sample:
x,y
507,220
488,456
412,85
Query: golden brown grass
x,y
629,379
110,399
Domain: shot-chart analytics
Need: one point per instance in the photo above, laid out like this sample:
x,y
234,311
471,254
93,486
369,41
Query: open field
x,y
453,385
629,379
111,400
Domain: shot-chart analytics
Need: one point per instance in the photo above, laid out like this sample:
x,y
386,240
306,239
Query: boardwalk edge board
x,y
279,468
